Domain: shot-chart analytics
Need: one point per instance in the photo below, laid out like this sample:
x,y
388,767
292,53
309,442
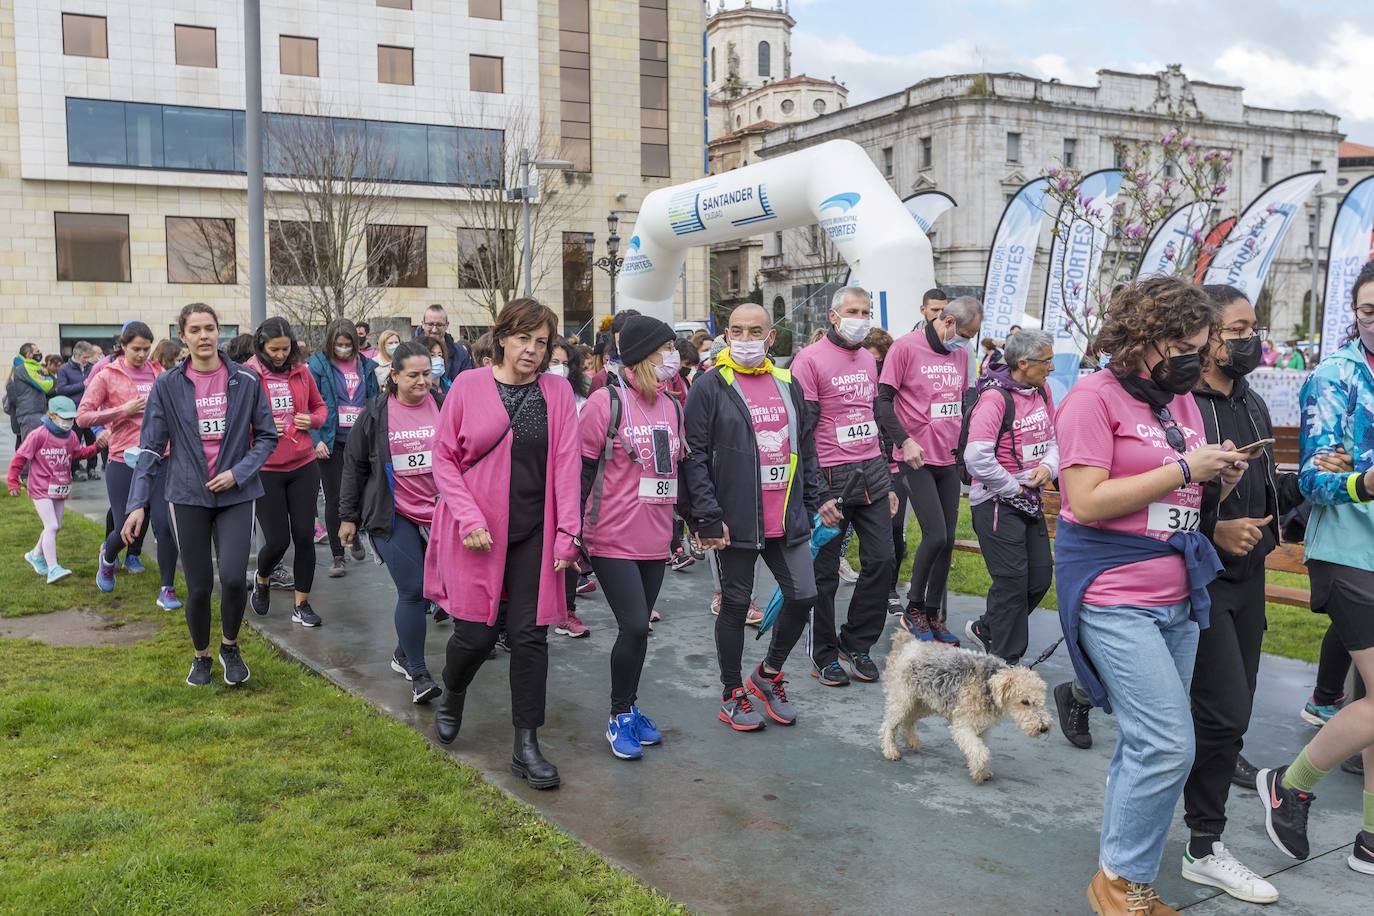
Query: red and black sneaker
x,y
1362,856
1285,813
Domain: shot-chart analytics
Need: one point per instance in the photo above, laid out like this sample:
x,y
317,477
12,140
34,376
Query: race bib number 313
x,y
213,427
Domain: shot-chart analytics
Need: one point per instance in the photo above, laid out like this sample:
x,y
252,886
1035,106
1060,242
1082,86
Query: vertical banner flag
x,y
1173,242
1006,284
1075,261
1210,245
925,207
1350,249
1252,244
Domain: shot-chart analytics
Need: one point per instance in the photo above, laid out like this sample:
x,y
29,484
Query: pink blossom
x,y
1169,137
1218,189
1186,142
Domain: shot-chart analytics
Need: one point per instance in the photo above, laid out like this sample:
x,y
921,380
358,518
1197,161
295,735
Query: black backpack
x,y
971,397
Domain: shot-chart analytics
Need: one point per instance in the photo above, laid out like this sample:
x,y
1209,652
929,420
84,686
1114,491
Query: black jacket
x,y
1243,417
720,476
367,493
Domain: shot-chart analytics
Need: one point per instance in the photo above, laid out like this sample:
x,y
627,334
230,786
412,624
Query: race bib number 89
x,y
1166,517
948,410
657,489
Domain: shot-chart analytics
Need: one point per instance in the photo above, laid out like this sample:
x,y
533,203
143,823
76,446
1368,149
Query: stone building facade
x,y
121,124
980,137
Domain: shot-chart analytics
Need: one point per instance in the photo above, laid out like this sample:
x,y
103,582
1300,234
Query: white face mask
x,y
62,423
957,343
749,353
854,330
705,355
558,369
343,352
391,346
672,362
436,366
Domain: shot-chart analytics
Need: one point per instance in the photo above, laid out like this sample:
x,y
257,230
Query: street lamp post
x,y
612,262
1312,329
252,53
524,194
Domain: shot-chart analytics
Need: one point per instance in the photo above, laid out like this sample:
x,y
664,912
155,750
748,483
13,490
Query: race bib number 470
x,y
1168,518
947,410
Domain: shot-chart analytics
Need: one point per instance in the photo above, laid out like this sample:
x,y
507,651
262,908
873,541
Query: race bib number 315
x,y
213,427
1168,518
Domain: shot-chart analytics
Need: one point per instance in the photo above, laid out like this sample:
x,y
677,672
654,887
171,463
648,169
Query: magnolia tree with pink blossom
x,y
1160,176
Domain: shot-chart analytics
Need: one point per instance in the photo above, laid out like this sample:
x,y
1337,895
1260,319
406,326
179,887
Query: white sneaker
x,y
1225,872
847,572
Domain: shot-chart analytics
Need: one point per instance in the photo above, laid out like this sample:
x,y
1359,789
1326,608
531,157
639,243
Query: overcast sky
x,y
1309,54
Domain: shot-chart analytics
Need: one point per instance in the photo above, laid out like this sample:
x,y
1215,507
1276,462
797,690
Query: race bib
x,y
212,427
1031,454
774,476
1168,518
657,489
408,464
59,490
348,416
856,432
283,403
947,410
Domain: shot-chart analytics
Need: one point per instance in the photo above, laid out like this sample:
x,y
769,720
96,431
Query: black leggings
x,y
118,477
794,571
1333,665
228,529
934,494
898,528
331,473
286,514
631,588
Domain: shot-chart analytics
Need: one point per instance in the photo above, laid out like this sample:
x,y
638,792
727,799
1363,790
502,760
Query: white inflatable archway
x,y
834,184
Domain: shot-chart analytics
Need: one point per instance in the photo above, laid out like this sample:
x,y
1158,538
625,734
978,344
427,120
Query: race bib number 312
x,y
1166,517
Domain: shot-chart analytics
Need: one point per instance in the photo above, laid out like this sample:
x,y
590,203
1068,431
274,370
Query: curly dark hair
x,y
1366,275
1156,310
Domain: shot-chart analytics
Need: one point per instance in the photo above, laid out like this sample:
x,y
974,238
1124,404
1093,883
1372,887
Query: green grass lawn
x,y
1293,631
125,791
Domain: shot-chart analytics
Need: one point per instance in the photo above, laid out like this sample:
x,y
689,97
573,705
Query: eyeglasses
x,y
1037,359
1240,332
1173,433
1365,315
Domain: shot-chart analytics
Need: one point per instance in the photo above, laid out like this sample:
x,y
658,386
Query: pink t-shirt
x,y
636,517
142,377
349,370
844,383
212,405
410,435
930,390
50,463
1100,425
1031,426
775,451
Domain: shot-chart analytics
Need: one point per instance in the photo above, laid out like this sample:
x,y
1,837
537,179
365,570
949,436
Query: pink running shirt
x,y
844,383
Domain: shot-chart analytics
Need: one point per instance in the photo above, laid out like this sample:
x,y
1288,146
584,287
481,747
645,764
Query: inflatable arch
x,y
834,184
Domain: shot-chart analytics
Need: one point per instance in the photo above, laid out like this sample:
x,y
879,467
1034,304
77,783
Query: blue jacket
x,y
71,381
323,370
1338,409
1082,553
170,418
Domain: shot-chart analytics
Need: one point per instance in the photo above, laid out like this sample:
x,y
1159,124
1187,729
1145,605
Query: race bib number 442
x,y
856,432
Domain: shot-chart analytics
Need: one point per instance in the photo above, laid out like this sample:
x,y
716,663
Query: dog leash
x,y
1047,653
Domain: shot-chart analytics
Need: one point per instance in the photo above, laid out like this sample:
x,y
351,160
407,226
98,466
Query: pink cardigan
x,y
468,583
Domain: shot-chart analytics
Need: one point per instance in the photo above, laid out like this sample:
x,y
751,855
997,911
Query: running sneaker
x,y
680,560
1319,714
977,634
939,630
261,597
1353,765
847,572
423,689
739,713
167,600
305,615
831,675
1362,856
696,552
770,689
1073,716
281,579
753,617
1285,813
320,533
646,728
134,564
503,642
895,605
620,734
1225,872
861,666
585,585
572,627
92,474
336,568
1244,773
357,549
914,621
654,616
35,559
235,671
201,670
105,574
57,572
398,663
79,474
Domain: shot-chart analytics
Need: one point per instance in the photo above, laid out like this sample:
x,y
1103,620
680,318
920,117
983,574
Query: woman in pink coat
x,y
507,523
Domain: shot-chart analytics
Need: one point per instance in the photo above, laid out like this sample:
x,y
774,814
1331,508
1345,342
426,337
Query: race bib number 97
x,y
774,476
1166,517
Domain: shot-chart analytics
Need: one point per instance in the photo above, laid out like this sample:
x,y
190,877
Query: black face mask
x,y
1177,374
1244,355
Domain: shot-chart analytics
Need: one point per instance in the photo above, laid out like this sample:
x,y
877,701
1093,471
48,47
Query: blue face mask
x,y
957,343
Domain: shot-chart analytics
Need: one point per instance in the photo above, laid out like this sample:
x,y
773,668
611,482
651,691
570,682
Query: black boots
x,y
448,718
528,763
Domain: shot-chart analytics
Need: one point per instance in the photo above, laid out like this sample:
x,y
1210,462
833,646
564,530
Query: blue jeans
x,y
1144,656
404,556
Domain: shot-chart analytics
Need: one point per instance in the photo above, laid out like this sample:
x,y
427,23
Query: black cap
x,y
641,336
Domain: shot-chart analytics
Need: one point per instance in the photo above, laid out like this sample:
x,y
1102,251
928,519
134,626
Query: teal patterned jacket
x,y
1338,409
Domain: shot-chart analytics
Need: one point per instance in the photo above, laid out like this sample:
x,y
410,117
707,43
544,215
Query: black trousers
x,y
206,537
1016,549
934,494
472,640
331,474
286,513
631,588
868,606
87,436
1223,691
793,569
898,528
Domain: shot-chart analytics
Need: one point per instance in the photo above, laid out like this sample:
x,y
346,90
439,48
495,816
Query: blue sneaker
x,y
105,574
914,621
167,600
646,729
1314,714
57,572
134,564
620,732
36,560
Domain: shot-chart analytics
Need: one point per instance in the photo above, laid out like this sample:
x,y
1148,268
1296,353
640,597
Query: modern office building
x,y
122,150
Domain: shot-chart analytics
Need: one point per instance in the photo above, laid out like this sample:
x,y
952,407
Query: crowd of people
x,y
452,463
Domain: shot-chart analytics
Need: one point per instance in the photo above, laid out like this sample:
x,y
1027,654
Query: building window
x,y
195,46
395,4
396,65
1266,169
1013,147
92,246
887,162
818,106
300,56
1008,197
765,59
484,9
787,106
779,308
201,250
485,74
1070,152
734,280
486,259
1316,165
575,83
397,256
713,65
1118,156
653,89
577,281
84,36
293,247
927,152
1170,167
